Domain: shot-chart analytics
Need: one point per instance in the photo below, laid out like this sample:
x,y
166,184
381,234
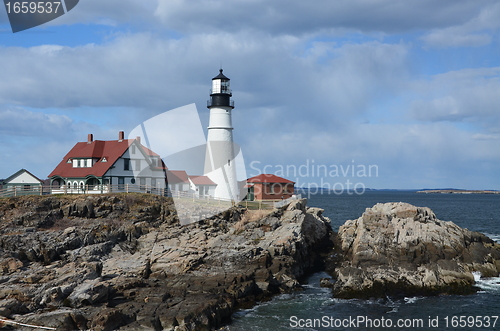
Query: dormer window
x,y
81,163
104,160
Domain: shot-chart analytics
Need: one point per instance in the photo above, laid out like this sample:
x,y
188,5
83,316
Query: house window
x,y
142,181
121,183
132,180
79,163
276,188
133,149
27,187
126,164
138,165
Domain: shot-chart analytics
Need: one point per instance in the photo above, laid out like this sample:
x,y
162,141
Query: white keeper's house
x,y
95,165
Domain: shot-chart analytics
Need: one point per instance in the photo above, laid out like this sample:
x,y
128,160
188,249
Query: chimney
x,y
90,138
138,139
121,135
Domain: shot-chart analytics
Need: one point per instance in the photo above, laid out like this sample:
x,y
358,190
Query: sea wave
x,y
410,300
487,284
495,237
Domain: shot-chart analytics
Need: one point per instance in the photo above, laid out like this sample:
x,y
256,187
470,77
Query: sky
x,y
409,90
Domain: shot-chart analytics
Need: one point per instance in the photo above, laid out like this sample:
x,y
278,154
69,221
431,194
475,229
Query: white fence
x,y
129,188
83,189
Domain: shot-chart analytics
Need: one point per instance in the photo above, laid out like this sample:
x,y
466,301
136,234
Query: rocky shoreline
x,y
123,261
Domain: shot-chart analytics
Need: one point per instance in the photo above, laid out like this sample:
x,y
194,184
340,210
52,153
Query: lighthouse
x,y
220,162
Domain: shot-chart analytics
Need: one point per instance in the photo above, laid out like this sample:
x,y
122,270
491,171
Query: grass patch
x,y
248,217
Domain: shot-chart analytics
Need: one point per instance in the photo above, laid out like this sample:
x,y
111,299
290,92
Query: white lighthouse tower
x,y
220,165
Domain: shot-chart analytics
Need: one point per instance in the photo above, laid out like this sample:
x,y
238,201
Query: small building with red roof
x,y
269,187
179,181
93,164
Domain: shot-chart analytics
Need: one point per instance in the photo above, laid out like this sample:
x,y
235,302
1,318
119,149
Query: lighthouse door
x,y
251,195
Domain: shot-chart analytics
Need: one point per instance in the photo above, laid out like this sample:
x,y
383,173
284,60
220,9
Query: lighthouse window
x,y
228,162
216,86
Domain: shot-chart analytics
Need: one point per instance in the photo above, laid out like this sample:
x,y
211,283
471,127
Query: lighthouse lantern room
x,y
221,92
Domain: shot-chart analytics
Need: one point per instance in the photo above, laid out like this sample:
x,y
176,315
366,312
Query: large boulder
x,y
400,249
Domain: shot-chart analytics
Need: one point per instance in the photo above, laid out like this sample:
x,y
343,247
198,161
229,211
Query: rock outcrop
x,y
400,249
123,262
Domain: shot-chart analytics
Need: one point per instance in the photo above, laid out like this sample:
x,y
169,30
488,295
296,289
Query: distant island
x,y
456,191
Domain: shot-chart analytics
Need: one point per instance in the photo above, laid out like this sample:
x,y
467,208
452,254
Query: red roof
x,y
201,180
268,178
177,176
111,150
148,151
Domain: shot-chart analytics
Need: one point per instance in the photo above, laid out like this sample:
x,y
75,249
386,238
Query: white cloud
x,y
110,12
481,136
407,155
146,72
301,17
473,33
21,122
276,17
468,95
448,38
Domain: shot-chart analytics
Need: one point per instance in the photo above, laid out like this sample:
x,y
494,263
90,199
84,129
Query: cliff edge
x,y
123,262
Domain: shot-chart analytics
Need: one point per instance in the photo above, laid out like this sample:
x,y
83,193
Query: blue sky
x,y
412,87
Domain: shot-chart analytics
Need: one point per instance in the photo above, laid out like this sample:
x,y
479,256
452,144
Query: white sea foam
x,y
495,237
411,300
489,284
486,284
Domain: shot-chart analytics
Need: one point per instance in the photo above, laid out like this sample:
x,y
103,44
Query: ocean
x,y
314,308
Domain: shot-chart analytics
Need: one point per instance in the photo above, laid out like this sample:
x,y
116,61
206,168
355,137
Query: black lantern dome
x,y
220,95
